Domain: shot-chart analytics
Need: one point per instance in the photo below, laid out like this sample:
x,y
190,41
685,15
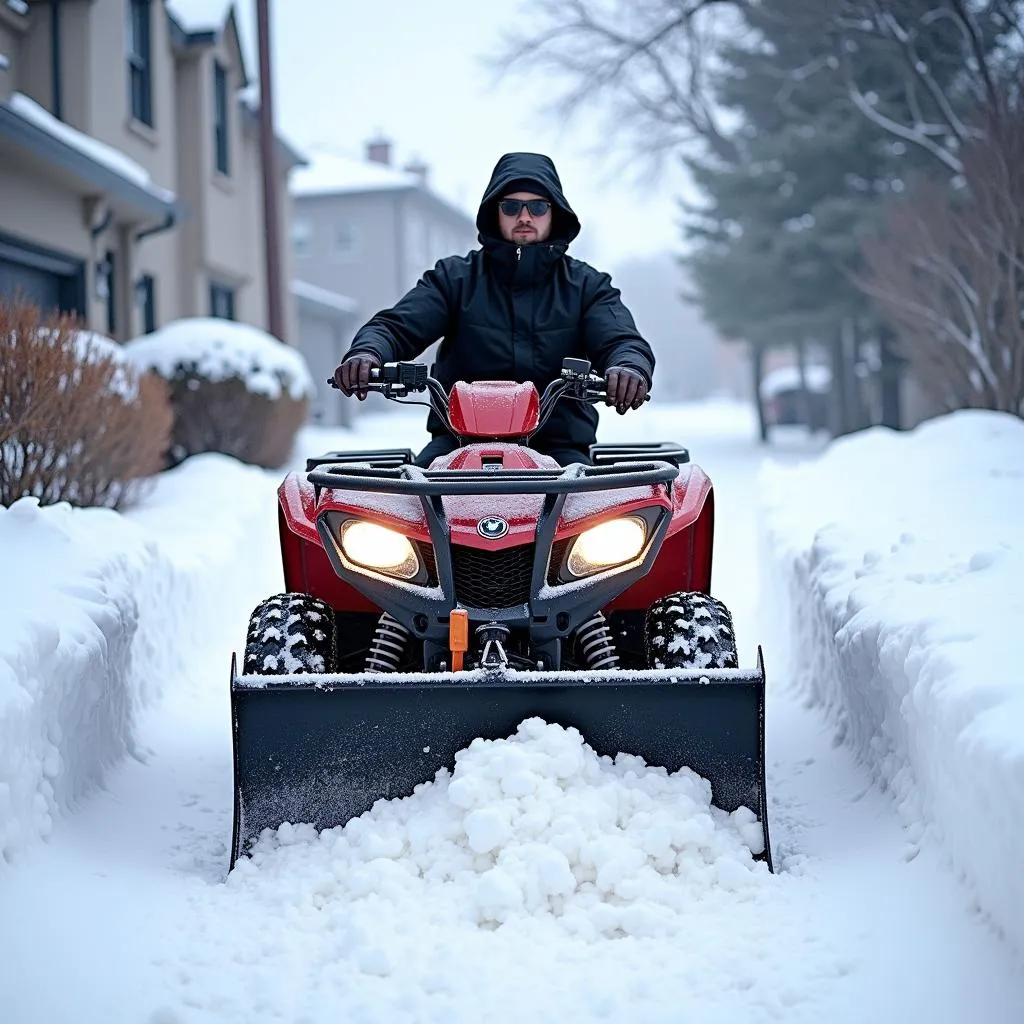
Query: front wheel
x,y
690,630
291,634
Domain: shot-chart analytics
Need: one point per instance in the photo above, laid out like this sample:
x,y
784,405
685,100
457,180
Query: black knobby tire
x,y
690,630
291,634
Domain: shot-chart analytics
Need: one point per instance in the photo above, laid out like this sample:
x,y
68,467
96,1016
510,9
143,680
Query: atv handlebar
x,y
399,379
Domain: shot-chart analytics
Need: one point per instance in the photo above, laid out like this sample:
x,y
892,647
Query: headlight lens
x,y
377,547
611,543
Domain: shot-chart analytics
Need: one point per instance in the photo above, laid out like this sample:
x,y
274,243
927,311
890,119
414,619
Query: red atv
x,y
427,607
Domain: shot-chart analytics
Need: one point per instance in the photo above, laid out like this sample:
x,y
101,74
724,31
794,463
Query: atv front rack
x,y
409,479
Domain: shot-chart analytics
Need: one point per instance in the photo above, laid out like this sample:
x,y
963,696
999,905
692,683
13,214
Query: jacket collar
x,y
523,265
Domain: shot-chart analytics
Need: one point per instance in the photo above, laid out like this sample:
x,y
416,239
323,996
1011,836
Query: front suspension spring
x,y
597,643
388,645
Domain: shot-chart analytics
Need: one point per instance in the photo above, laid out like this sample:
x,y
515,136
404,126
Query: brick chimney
x,y
378,151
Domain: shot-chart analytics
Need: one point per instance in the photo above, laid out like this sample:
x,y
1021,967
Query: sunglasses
x,y
513,207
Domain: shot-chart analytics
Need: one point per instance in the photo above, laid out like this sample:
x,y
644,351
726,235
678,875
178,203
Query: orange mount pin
x,y
458,636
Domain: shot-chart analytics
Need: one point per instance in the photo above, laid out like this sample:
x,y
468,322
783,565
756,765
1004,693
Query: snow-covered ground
x,y
616,895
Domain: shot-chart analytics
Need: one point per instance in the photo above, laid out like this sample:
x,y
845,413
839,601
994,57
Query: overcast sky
x,y
411,69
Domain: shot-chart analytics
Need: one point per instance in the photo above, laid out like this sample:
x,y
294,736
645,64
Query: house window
x,y
140,66
302,237
145,296
220,117
222,301
346,242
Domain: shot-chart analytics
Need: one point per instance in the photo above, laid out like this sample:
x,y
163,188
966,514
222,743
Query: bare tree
x,y
650,64
954,57
948,270
645,62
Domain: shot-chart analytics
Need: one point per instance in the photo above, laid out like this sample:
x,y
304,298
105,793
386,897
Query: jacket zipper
x,y
519,253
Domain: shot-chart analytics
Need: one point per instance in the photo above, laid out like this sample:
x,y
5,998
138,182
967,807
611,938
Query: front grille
x,y
492,579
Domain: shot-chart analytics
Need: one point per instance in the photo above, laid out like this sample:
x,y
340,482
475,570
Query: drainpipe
x,y
55,59
271,222
168,222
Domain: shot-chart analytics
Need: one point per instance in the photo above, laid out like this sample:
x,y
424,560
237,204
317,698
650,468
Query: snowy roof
x,y
200,15
332,174
323,297
204,22
787,378
97,152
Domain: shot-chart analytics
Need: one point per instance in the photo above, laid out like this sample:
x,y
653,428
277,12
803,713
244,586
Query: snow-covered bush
x,y
235,389
78,423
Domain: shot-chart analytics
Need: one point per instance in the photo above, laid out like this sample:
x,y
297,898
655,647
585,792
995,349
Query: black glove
x,y
353,374
627,388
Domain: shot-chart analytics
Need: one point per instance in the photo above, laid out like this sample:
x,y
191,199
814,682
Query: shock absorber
x,y
595,640
387,646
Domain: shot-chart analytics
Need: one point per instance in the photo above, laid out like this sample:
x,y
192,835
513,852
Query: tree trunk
x,y
890,380
839,413
805,397
757,372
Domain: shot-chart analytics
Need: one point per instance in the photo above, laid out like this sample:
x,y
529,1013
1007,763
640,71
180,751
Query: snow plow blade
x,y
322,749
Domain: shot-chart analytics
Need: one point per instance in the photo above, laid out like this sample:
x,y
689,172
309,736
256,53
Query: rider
x,y
513,310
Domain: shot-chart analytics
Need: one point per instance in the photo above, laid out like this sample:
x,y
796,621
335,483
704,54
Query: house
x,y
366,229
130,178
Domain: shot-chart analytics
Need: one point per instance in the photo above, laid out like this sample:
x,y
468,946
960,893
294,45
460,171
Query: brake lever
x,y
386,388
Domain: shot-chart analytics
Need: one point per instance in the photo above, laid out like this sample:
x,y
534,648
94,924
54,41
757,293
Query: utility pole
x,y
271,216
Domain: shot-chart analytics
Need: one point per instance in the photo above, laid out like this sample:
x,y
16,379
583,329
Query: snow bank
x,y
100,609
902,558
222,350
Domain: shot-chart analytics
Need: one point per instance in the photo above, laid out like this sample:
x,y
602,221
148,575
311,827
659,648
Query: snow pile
x,y
904,560
537,824
100,609
536,882
222,350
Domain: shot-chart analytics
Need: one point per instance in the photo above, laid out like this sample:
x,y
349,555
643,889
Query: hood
x,y
565,225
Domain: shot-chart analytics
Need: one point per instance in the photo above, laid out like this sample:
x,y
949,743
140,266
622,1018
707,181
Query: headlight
x,y
377,547
611,543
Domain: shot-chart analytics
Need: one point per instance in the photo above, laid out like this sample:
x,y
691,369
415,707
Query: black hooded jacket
x,y
508,312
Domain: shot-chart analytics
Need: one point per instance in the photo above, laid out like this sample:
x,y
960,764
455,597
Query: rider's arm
x,y
610,336
414,323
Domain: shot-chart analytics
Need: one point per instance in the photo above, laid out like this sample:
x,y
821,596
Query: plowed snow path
x,y
125,915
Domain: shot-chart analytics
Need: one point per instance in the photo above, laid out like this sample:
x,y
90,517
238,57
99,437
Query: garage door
x,y
44,278
36,286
